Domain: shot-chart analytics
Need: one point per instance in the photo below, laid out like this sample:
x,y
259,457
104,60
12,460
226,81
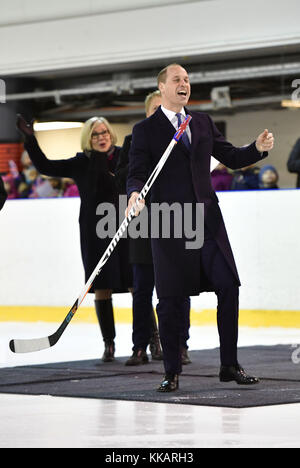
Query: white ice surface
x,y
44,421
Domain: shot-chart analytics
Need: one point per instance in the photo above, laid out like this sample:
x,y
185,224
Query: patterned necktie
x,y
185,137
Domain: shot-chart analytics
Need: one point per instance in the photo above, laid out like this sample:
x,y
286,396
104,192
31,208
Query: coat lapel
x,y
168,130
165,124
194,131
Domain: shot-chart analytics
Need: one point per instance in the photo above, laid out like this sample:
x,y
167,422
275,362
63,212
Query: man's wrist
x,y
133,194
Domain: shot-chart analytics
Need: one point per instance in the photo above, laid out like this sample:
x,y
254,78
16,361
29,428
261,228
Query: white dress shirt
x,y
171,115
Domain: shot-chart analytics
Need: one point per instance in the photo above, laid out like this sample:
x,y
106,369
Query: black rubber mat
x,y
199,383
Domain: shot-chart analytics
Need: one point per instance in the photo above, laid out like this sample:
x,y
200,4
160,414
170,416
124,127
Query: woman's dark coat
x,y
91,173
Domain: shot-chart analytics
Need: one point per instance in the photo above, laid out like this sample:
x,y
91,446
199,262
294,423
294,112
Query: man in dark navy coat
x,y
181,272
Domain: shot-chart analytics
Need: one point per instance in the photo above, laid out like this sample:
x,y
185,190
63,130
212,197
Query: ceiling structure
x,y
259,81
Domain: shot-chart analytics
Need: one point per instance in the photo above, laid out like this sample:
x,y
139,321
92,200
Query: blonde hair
x,y
87,130
149,98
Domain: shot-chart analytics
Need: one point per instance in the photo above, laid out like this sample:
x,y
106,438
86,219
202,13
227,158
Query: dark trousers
x,y
143,314
171,320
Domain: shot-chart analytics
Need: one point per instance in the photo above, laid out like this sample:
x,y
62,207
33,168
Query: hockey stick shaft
x,y
32,345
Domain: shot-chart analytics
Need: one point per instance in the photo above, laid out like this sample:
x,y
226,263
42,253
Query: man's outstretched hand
x,y
265,141
24,127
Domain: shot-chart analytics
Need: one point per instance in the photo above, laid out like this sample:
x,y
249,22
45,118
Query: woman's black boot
x,y
105,314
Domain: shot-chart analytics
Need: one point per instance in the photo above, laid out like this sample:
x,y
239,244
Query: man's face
x,y
176,91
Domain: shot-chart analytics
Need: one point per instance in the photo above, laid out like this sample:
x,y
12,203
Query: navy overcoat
x,y
185,178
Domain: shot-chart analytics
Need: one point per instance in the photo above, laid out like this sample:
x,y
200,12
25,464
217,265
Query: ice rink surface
x,y
54,422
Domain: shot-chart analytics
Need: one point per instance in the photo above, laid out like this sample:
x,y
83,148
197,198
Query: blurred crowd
x,y
248,178
28,183
254,177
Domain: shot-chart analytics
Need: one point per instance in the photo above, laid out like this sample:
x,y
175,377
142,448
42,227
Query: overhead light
x,y
46,126
293,104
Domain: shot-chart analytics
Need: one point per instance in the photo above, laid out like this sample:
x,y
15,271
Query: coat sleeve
x,y
139,160
232,156
3,194
294,158
61,168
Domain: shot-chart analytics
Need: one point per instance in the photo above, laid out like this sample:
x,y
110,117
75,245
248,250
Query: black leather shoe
x,y
185,358
138,357
238,375
169,384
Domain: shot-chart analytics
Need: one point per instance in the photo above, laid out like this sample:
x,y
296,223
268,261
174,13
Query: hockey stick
x,y
37,344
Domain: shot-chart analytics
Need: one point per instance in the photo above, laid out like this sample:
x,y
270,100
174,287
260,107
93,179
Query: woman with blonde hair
x,y
93,171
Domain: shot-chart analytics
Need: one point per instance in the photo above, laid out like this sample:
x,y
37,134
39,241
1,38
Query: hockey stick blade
x,y
38,344
29,346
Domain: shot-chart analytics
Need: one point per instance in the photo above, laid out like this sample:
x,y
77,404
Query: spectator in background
x,y
294,162
26,181
268,178
3,194
30,184
47,188
26,162
27,176
70,189
33,182
11,181
221,178
246,178
10,187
